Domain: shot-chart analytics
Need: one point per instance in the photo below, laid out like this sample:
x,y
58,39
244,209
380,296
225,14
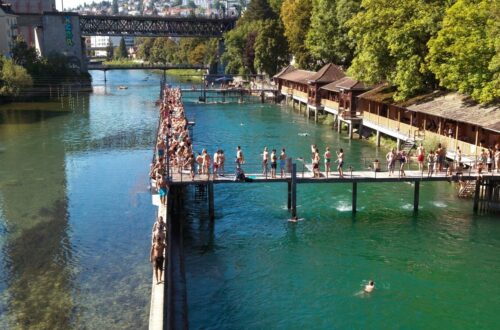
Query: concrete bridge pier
x,y
211,208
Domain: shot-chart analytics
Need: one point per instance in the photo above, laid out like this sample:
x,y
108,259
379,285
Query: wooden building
x,y
447,117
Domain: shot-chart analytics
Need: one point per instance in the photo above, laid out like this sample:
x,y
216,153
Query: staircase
x,y
408,145
467,189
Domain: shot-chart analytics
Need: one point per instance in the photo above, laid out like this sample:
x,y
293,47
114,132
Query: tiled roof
x,y
346,83
327,74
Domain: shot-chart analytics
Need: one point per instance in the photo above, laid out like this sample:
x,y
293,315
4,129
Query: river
x,y
76,213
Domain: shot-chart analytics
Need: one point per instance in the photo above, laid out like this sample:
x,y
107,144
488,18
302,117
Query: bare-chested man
x,y
156,257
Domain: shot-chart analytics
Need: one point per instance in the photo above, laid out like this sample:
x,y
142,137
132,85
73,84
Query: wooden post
x,y
211,213
476,196
339,124
378,138
289,199
416,196
294,191
350,131
354,196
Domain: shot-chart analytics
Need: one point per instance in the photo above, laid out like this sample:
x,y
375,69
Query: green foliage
x,y
13,78
22,54
465,54
296,17
163,51
327,38
271,49
239,56
120,52
391,42
257,10
144,46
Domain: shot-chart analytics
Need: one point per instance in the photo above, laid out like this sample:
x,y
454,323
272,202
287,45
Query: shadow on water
x,y
38,272
27,117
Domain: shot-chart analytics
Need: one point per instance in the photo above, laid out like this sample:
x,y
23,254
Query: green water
x,y
76,213
252,269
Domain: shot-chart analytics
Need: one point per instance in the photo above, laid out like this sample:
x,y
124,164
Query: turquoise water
x,y
253,269
75,209
76,213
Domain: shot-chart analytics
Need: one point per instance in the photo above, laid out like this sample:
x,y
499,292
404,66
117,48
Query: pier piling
x,y
211,212
354,196
416,196
289,202
294,191
476,196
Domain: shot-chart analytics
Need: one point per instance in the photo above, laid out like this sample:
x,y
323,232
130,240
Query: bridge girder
x,y
155,26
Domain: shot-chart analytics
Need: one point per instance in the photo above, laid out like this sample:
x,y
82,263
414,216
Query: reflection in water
x,y
37,251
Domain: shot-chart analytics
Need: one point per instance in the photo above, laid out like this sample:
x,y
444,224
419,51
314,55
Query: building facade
x,y
8,29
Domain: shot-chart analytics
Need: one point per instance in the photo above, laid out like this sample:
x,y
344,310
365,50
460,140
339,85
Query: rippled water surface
x,y
252,269
75,216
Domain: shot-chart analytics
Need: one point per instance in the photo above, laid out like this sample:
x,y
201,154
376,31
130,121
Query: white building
x,y
8,29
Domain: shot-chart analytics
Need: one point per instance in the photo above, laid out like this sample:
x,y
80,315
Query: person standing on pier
x,y
222,160
162,188
316,160
158,230
497,158
265,159
274,163
420,157
282,162
431,159
402,161
216,163
206,163
440,153
391,161
328,159
239,157
340,160
156,257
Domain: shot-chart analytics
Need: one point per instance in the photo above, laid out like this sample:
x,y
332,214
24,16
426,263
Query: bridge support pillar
x,y
211,211
416,196
294,191
378,138
354,196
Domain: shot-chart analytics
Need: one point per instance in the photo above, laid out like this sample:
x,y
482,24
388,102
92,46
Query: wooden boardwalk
x,y
184,178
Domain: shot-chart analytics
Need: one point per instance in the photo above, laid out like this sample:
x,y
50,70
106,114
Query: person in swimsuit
x,y
199,163
274,163
222,160
391,161
328,160
431,159
239,157
216,163
158,229
402,161
282,161
340,160
206,163
156,257
316,160
420,157
265,159
370,286
162,189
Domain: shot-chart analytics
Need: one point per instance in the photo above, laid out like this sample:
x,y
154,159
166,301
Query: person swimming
x,y
370,286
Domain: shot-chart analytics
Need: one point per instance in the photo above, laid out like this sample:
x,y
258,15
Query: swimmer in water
x,y
370,286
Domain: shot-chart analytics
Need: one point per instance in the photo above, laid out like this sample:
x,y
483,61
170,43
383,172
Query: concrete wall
x,y
61,34
8,30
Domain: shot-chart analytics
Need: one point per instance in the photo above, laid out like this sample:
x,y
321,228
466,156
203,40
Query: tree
x,y
239,55
22,54
198,54
109,51
121,51
144,46
163,51
295,15
13,78
327,38
257,10
465,54
271,49
391,43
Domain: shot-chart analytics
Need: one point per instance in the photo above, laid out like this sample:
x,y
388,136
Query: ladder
x,y
408,145
467,189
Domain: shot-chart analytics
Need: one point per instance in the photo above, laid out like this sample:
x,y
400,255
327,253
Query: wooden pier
x,y
488,184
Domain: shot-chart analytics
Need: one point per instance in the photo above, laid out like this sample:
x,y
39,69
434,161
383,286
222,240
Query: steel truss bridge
x,y
93,25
